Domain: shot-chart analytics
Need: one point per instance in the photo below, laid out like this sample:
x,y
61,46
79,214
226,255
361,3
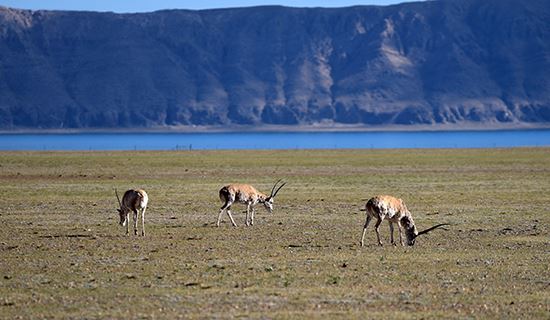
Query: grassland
x,y
63,255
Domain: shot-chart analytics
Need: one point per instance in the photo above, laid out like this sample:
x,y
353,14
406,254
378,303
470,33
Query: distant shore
x,y
290,128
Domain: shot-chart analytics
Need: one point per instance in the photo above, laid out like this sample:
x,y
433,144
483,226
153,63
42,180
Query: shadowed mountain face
x,y
447,61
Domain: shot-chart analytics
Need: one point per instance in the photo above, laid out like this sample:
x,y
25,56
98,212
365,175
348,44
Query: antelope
x,y
395,211
247,194
134,200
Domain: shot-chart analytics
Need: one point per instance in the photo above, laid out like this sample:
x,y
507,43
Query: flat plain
x,y
63,254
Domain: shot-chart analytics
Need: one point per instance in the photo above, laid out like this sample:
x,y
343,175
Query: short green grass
x,y
63,255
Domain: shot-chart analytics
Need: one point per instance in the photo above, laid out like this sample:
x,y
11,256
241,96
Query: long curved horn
x,y
432,228
119,203
278,189
274,186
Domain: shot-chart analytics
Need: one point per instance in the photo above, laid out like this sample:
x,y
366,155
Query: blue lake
x,y
275,140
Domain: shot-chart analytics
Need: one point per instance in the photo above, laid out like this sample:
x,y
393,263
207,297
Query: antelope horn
x,y
274,186
432,228
119,203
278,189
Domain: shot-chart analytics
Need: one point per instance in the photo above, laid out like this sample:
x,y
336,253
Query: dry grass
x,y
64,256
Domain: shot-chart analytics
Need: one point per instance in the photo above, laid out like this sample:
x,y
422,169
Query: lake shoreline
x,y
274,140
290,128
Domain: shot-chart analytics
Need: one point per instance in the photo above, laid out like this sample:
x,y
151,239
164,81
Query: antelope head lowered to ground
x,y
247,194
395,211
135,201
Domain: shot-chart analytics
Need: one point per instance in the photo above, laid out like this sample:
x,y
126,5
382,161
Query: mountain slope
x,y
447,61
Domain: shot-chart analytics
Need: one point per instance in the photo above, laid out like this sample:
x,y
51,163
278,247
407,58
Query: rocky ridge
x,y
424,63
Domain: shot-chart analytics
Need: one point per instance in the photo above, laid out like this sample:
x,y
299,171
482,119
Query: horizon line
x,y
208,8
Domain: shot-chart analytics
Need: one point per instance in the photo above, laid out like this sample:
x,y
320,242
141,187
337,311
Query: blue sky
x,y
152,5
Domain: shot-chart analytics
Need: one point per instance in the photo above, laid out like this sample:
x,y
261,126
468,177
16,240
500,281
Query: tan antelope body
x,y
246,194
395,211
134,200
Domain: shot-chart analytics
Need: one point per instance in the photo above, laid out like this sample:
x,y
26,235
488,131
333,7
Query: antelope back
x,y
387,206
135,199
241,192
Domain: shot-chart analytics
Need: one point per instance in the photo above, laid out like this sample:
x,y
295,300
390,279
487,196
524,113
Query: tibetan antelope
x,y
395,211
135,201
247,194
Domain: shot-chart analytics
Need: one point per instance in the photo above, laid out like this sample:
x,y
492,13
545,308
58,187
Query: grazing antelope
x,y
134,200
395,211
245,193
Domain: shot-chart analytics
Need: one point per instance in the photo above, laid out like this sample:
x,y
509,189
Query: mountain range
x,y
442,62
